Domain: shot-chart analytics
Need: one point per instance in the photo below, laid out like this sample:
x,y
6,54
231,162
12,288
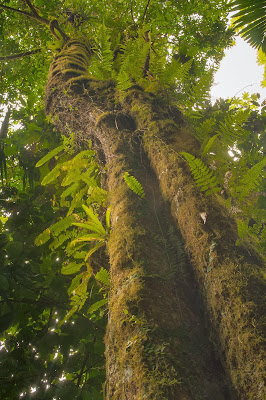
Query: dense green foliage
x,y
55,216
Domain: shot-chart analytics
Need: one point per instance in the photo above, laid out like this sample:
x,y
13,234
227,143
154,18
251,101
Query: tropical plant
x,y
250,18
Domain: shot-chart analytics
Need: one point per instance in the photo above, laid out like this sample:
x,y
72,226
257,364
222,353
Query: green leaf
x,y
52,175
209,144
251,180
108,219
95,248
94,307
90,237
90,226
74,283
71,268
134,184
93,217
50,155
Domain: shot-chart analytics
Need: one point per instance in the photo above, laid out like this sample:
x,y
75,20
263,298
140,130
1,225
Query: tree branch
x,y
131,11
36,17
83,368
19,55
4,126
31,7
52,24
145,12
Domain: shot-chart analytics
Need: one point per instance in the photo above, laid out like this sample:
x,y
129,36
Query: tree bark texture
x,y
163,307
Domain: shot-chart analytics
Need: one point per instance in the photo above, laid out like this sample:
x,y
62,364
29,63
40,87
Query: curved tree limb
x,y
55,26
34,15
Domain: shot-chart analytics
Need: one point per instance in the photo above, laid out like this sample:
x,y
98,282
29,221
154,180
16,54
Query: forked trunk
x,y
157,339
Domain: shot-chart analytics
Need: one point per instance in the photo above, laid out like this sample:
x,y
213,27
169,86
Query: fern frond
x,y
123,80
50,155
203,176
251,180
207,146
43,237
134,184
200,92
103,276
70,191
231,129
170,73
62,238
78,299
131,62
102,63
85,154
62,225
52,175
77,200
94,307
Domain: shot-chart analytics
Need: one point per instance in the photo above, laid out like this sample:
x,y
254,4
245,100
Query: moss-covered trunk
x,y
157,339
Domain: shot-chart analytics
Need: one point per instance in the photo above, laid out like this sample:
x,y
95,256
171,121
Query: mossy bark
x,y
157,343
231,277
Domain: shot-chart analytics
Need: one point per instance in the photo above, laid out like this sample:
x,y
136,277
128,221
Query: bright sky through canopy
x,y
238,73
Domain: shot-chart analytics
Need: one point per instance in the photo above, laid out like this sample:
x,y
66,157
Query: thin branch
x,y
31,7
145,12
4,126
252,84
131,11
83,368
19,55
147,61
36,17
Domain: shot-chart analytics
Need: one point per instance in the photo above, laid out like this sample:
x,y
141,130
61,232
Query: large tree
x,y
130,80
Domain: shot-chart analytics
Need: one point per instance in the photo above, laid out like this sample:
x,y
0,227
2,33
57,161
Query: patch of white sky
x,y
239,72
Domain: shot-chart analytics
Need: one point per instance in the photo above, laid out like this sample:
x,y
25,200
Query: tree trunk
x,y
157,339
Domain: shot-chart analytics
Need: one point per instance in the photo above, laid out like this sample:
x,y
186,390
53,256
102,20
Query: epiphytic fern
x,y
251,180
134,184
203,176
199,92
79,296
50,155
102,61
231,128
130,63
103,276
96,306
169,73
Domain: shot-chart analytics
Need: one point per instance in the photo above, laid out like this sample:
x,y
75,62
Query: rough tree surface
x,y
164,308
